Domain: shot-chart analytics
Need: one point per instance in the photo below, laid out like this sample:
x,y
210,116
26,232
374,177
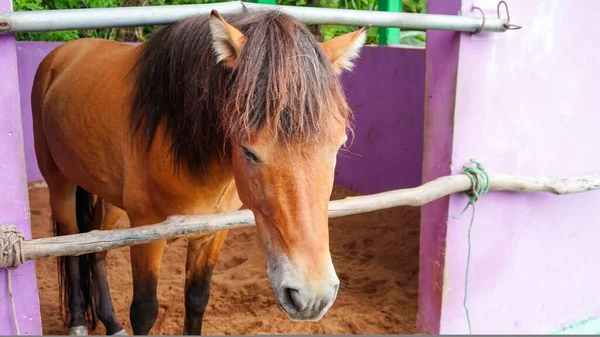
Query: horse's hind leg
x,y
74,272
201,259
104,217
66,206
71,271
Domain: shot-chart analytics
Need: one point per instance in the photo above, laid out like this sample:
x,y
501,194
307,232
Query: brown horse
x,y
201,118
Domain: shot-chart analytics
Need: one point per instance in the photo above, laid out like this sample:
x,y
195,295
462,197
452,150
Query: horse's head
x,y
287,120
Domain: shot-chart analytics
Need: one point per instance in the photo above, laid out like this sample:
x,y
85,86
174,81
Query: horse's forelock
x,y
283,81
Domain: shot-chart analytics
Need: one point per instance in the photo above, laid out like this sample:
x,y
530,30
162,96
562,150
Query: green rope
x,y
480,185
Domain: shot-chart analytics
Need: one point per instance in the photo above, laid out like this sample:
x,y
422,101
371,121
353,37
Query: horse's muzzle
x,y
305,304
300,294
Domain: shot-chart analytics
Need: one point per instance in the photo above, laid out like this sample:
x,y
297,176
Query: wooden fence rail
x,y
178,226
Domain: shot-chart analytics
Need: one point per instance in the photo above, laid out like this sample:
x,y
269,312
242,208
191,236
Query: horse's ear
x,y
342,50
227,41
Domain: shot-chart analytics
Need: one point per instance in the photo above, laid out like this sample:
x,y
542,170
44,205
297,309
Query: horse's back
x,y
80,96
75,56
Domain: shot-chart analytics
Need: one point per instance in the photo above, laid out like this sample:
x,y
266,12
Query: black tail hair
x,y
84,205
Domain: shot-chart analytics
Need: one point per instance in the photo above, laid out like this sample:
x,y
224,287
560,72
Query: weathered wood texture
x,y
178,226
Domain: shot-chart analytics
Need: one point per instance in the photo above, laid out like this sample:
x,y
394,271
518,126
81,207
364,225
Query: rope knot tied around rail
x,y
480,183
11,241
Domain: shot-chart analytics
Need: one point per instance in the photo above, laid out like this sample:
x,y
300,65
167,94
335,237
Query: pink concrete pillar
x,y
526,103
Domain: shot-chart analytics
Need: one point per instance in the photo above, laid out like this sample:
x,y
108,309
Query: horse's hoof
x,y
122,332
81,330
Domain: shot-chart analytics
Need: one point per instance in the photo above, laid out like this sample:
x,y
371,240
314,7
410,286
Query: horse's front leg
x,y
201,259
145,266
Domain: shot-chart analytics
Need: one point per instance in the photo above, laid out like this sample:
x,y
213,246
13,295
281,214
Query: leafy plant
x,y
414,6
413,38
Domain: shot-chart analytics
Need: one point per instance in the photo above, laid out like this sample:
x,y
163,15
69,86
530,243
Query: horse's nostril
x,y
293,297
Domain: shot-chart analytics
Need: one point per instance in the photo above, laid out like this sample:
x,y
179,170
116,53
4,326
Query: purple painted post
x,y
527,104
440,85
14,203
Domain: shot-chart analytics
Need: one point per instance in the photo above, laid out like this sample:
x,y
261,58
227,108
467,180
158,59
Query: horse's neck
x,y
214,190
179,191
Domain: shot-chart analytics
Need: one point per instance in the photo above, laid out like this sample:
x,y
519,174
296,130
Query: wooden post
x,y
389,36
14,202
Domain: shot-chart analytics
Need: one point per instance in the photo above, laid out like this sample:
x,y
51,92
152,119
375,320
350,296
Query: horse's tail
x,y
84,205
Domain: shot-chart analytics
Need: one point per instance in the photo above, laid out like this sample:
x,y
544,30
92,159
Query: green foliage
x,y
25,5
414,6
329,31
413,38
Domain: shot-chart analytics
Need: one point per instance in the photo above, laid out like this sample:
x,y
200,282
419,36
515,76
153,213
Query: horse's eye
x,y
250,156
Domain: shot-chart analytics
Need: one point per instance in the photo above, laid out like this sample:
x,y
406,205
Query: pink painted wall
x,y
14,204
527,103
385,90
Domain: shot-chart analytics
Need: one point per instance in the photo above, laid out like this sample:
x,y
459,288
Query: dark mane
x,y
283,81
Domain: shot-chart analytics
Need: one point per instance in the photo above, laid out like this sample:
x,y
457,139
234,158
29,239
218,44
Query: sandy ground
x,y
375,255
